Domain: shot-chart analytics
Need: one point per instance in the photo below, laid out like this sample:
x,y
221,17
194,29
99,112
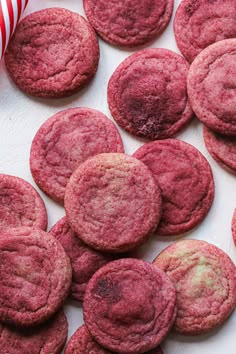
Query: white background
x,y
20,118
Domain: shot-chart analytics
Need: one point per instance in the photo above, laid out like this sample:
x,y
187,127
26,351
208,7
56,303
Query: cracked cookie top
x,y
128,23
112,202
53,53
147,94
186,182
35,276
64,141
199,23
50,337
205,282
211,85
129,306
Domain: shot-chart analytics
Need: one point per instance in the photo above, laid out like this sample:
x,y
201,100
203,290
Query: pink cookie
x,y
112,202
186,182
199,23
204,277
20,204
129,23
49,337
84,260
141,86
211,86
35,276
222,148
129,306
53,53
66,140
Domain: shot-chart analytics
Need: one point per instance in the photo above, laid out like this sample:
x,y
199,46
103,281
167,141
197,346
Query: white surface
x,y
20,118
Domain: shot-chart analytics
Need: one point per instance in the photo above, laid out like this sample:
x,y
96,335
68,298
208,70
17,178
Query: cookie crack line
x,y
41,61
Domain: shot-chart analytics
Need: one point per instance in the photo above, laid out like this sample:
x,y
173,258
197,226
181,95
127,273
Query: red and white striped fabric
x,y
10,13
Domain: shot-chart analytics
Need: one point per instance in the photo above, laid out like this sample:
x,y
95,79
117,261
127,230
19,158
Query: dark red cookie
x,y
211,86
20,204
222,148
112,202
233,226
199,23
64,141
83,343
49,338
128,23
186,182
147,94
53,53
35,276
129,306
204,277
84,260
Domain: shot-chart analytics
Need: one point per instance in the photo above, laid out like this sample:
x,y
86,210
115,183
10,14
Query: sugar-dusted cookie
x,y
112,202
199,23
64,141
186,182
211,86
204,277
147,94
53,53
131,22
35,276
129,306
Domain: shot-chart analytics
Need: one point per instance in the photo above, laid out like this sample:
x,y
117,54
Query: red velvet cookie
x,y
130,22
84,260
35,276
112,202
53,53
211,86
83,343
186,182
222,148
141,86
204,277
64,141
233,226
20,204
50,337
199,23
129,306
